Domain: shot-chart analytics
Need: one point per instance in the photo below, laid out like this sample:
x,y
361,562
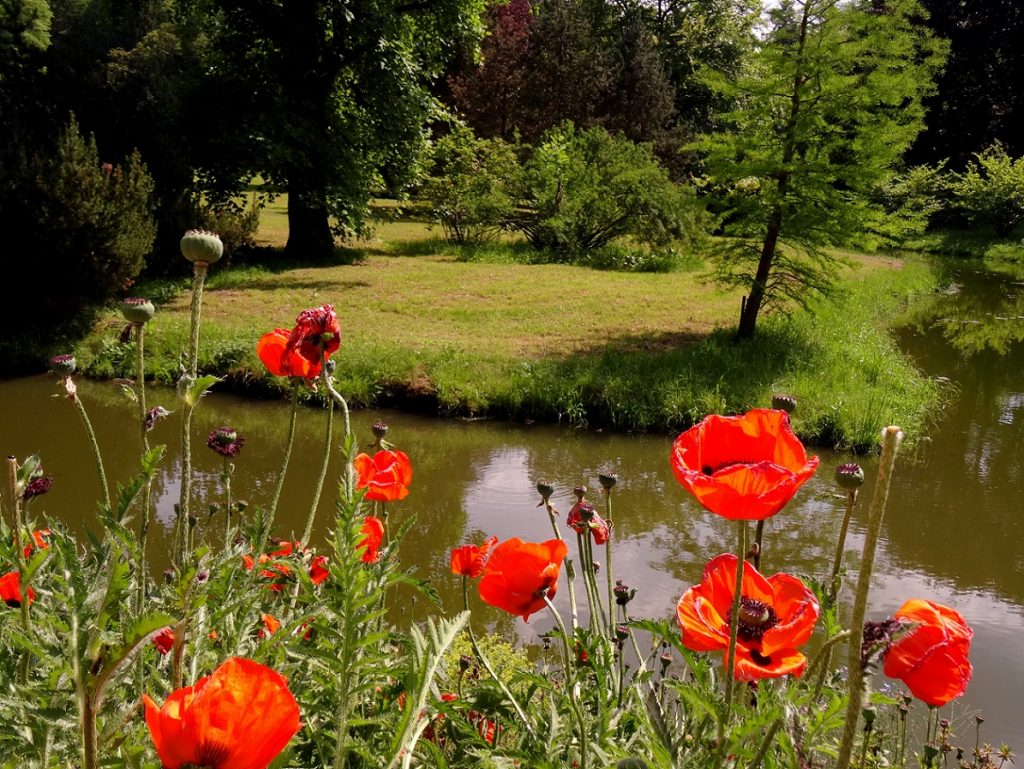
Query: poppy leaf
x,y
198,388
37,560
134,636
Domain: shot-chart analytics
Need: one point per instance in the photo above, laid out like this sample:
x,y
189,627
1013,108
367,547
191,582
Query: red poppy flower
x,y
931,656
318,571
777,615
38,541
583,518
280,360
386,476
373,531
316,334
164,640
271,625
10,589
520,574
469,560
743,468
240,717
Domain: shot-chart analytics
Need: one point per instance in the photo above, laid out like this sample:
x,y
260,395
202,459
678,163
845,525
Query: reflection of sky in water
x,y
663,558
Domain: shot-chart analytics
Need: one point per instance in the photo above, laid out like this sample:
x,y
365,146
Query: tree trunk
x,y
309,233
748,318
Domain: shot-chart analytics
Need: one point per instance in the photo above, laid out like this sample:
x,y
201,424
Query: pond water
x,y
953,532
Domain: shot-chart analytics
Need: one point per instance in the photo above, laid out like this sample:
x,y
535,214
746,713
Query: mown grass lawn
x,y
630,351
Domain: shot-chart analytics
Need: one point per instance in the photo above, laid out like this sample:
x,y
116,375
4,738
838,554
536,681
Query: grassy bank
x,y
553,342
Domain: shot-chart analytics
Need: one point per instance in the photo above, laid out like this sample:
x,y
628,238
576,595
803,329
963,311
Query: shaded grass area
x,y
430,331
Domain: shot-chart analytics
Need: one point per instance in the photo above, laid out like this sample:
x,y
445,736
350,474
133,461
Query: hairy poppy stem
x,y
19,556
570,568
95,446
837,559
766,743
487,664
307,530
567,660
226,475
734,626
284,464
891,438
183,526
350,450
140,394
758,539
824,659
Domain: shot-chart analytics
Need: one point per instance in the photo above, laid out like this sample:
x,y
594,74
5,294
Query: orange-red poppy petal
x,y
931,656
519,574
787,662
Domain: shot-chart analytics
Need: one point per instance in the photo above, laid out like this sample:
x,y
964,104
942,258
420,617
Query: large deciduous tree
x,y
979,99
827,105
328,100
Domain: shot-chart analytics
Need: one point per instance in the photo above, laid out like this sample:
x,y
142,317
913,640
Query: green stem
x,y
20,531
487,665
758,538
140,392
570,676
734,625
585,565
608,564
570,568
349,489
95,449
766,743
182,525
891,438
604,627
307,530
837,559
226,474
284,463
824,659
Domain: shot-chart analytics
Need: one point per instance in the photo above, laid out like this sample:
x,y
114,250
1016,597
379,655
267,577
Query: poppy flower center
x,y
754,619
709,470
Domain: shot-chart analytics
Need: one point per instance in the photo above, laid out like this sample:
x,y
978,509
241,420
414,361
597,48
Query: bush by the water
x,y
78,230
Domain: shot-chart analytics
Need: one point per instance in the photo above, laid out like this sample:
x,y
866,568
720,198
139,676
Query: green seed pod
x,y
137,310
850,476
63,365
202,246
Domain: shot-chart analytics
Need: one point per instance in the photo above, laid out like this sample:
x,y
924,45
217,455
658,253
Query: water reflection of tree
x,y
977,311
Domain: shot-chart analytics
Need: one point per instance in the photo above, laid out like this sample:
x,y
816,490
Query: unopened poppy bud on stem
x,y
607,480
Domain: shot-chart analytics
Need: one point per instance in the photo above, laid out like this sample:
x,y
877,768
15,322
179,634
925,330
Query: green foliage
x,y
471,186
79,231
991,189
826,105
584,189
911,199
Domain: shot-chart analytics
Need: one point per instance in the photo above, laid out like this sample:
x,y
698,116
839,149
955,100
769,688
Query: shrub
x,y
81,230
991,190
584,189
469,188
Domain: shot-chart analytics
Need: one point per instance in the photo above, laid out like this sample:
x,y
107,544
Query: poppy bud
x,y
169,576
63,365
623,593
545,490
607,480
192,521
154,415
241,505
137,310
379,430
546,639
785,403
37,487
580,491
850,476
666,660
201,246
931,752
621,632
464,662
212,508
979,719
869,714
